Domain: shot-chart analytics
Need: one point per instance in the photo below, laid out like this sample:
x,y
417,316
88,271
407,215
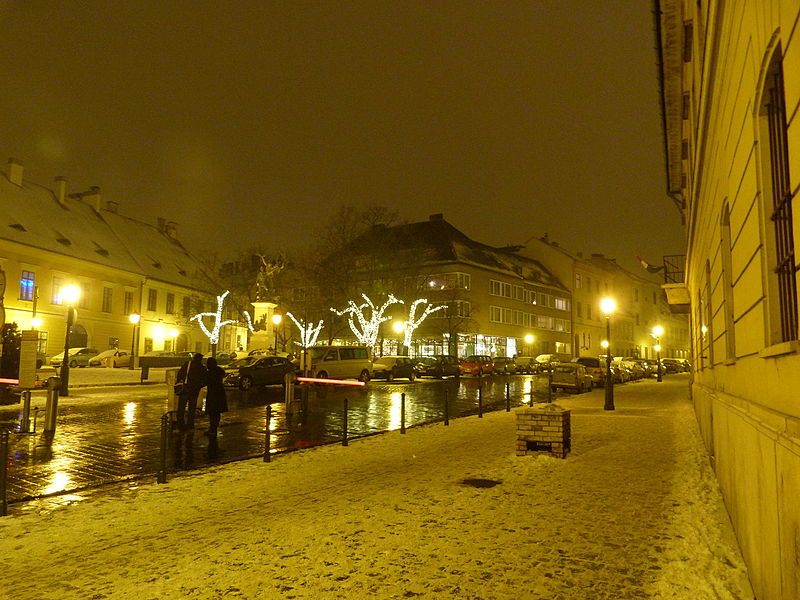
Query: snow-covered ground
x,y
633,512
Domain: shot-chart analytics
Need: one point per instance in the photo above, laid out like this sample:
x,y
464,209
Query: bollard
x,y
51,406
403,412
162,466
3,472
480,402
508,397
288,388
446,409
344,425
25,423
145,373
267,441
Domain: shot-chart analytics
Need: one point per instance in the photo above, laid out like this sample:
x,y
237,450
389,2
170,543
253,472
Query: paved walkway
x,y
633,512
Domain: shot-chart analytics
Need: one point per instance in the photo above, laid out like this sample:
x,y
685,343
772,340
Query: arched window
x,y
781,261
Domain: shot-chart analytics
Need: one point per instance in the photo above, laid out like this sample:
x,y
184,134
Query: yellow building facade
x,y
730,74
50,240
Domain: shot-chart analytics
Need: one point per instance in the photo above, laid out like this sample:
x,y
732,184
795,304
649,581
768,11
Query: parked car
x,y
111,358
267,370
393,367
166,354
232,369
648,367
477,364
571,376
78,357
636,370
340,362
504,365
595,367
527,364
671,365
439,366
554,357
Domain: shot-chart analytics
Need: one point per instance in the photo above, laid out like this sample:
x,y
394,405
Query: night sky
x,y
250,122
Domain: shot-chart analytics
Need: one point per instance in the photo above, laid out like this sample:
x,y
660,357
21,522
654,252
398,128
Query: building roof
x,y
82,227
437,241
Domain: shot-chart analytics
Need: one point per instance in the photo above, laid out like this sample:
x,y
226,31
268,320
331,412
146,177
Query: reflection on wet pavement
x,y
116,437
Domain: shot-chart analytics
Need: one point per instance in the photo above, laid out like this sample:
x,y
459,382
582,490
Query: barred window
x,y
782,295
107,296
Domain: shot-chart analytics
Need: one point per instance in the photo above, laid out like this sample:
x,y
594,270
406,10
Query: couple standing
x,y
194,376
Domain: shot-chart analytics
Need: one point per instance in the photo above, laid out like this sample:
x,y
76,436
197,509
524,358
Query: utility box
x,y
543,429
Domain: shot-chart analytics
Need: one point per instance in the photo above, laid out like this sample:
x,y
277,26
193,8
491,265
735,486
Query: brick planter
x,y
543,429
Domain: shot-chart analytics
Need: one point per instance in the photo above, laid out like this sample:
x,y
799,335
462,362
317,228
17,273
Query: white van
x,y
340,362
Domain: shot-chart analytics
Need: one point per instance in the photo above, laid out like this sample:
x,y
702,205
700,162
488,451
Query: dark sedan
x,y
269,370
439,366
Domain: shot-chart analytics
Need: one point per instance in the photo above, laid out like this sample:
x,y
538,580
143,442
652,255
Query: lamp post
x,y
276,320
658,331
69,295
134,319
608,306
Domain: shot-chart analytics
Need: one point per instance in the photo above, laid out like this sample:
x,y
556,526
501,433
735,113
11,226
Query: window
x,y
498,314
170,304
148,345
152,299
561,304
577,281
635,294
107,295
727,282
543,322
588,311
58,283
519,293
782,292
187,306
26,285
499,288
128,304
579,310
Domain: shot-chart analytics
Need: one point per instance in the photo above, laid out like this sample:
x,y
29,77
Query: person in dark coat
x,y
193,376
216,400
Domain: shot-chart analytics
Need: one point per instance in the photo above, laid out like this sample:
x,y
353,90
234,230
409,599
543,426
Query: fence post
x,y
480,401
3,472
446,408
162,466
403,412
508,397
267,440
344,424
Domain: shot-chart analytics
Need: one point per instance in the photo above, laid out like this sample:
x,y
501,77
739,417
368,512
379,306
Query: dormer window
x,y
18,226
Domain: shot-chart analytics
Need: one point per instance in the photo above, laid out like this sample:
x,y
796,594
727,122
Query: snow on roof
x,y
32,216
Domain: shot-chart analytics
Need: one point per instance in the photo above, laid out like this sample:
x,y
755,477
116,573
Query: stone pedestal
x,y
543,429
262,315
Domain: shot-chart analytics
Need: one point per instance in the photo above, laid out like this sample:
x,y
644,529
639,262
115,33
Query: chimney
x,y
436,217
61,190
92,197
14,172
170,229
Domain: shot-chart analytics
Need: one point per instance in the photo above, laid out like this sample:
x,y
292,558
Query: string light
x,y
308,333
366,328
413,321
213,335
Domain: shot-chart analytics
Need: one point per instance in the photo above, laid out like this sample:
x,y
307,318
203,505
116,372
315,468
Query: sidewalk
x,y
633,512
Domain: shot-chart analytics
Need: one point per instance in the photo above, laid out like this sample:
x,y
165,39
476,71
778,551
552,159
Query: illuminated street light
x,y
134,319
276,320
608,306
69,296
529,342
658,331
399,327
36,322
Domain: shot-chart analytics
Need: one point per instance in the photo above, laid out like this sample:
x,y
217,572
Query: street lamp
x,y
529,343
608,306
134,319
399,327
69,296
276,320
658,331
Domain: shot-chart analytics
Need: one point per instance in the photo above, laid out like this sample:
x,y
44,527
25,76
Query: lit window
x,y
26,285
